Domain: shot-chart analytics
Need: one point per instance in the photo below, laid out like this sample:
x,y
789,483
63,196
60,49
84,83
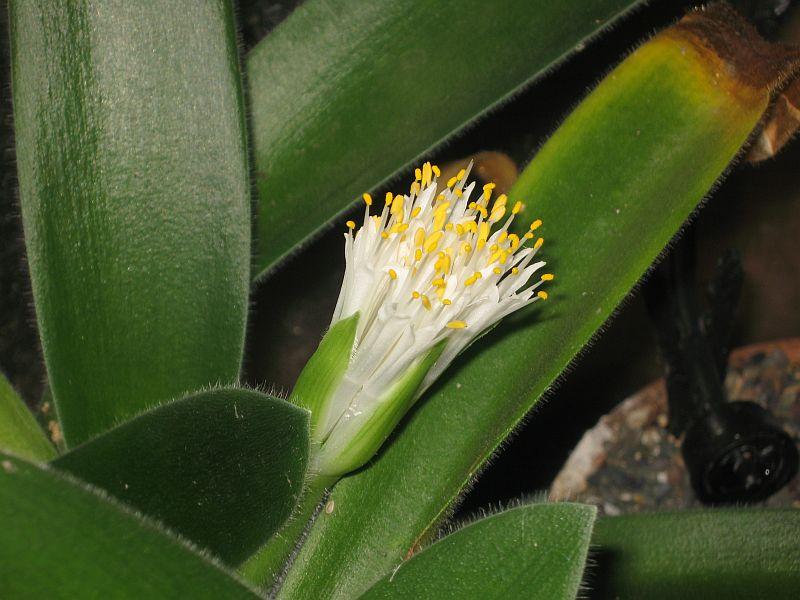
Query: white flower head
x,y
429,273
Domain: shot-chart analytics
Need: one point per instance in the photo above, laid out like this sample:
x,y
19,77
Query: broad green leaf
x,y
536,552
19,431
133,175
613,185
709,554
343,98
222,468
60,539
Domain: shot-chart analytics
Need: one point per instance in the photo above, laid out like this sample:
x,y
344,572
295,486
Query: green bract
x,y
352,442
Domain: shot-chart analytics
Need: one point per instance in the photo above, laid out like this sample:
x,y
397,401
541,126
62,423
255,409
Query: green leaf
x,y
341,101
60,539
222,468
535,552
613,185
725,554
134,188
19,431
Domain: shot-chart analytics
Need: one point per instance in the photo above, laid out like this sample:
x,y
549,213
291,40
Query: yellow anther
x,y
548,277
459,229
458,193
461,174
415,295
419,237
399,228
536,224
515,271
440,197
437,282
448,227
529,236
415,188
502,200
489,187
495,257
442,264
426,302
482,210
466,248
447,302
417,254
497,271
472,206
351,224
470,280
513,239
392,274
457,324
367,199
538,243
432,241
542,294
483,235
415,212
417,174
384,235
518,206
498,212
502,237
426,173
452,181
388,199
397,205
436,170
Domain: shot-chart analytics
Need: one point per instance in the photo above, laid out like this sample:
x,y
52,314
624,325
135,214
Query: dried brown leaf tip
x,y
780,126
733,45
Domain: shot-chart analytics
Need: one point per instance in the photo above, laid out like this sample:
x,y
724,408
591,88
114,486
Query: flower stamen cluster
x,y
433,268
